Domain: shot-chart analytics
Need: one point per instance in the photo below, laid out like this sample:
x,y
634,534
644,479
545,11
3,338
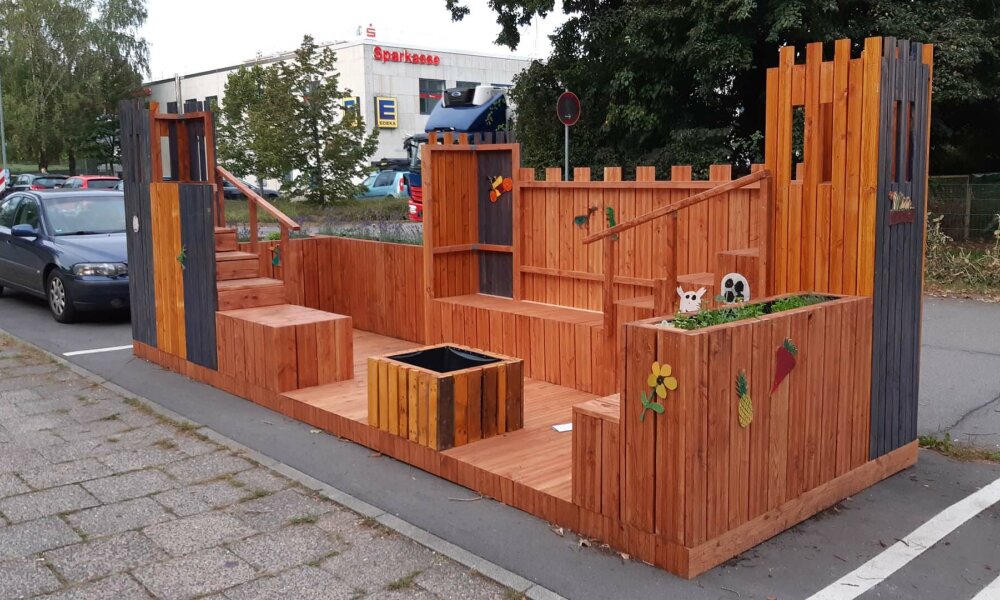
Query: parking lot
x,y
928,532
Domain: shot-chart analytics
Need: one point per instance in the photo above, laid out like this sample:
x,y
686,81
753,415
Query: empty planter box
x,y
446,395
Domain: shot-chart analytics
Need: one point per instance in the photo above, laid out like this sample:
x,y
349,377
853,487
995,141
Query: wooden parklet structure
x,y
688,447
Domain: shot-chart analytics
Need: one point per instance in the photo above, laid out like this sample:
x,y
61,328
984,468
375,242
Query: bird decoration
x,y
499,185
582,221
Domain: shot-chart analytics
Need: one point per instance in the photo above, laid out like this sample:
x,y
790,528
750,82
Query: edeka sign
x,y
385,112
386,55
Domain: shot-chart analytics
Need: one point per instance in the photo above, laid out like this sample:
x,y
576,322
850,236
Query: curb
x,y
488,569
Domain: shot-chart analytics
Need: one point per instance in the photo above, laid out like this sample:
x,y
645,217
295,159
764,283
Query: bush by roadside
x,y
962,269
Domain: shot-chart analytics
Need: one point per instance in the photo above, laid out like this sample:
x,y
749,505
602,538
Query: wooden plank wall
x,y
380,285
693,473
165,211
557,268
824,221
899,250
135,140
197,233
496,225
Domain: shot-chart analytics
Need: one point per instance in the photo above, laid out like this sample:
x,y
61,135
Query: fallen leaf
x,y
625,556
315,431
584,543
558,531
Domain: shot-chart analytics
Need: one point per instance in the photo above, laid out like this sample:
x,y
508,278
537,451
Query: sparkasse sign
x,y
386,55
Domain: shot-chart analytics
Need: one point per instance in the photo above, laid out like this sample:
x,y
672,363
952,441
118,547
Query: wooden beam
x,y
689,201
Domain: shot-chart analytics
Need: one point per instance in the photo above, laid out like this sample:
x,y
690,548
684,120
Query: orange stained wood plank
x,y
536,456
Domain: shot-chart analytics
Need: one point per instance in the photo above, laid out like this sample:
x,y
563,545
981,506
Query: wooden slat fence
x,y
379,284
557,268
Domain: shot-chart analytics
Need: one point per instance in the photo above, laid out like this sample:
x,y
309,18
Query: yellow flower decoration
x,y
660,380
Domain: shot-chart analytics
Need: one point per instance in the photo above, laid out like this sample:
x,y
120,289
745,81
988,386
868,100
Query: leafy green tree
x,y
683,81
288,117
256,126
332,144
65,63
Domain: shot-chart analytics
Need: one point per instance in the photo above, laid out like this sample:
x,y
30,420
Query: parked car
x,y
67,247
91,182
390,183
37,181
120,186
232,193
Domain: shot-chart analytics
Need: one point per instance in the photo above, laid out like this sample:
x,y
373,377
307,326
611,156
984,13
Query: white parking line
x,y
990,592
877,569
98,350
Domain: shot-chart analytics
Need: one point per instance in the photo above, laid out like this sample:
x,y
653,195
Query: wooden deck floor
x,y
536,456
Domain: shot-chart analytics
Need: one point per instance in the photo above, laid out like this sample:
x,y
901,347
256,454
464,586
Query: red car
x,y
90,182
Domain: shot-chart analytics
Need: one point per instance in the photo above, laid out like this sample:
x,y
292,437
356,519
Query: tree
x,y
288,117
65,63
333,145
676,82
256,126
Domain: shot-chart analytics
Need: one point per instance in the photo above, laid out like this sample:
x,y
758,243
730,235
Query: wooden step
x,y
596,444
250,293
285,347
225,239
236,265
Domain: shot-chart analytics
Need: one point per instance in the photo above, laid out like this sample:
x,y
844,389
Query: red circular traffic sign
x,y
568,108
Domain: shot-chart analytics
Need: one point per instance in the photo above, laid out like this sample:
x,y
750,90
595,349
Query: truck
x,y
480,109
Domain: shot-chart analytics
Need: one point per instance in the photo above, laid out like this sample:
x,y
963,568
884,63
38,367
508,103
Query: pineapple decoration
x,y
746,405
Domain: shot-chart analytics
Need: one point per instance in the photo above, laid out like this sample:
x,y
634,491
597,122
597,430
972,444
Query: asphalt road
x,y
960,393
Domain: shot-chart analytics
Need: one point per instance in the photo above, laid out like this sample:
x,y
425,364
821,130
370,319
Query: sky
x,y
187,36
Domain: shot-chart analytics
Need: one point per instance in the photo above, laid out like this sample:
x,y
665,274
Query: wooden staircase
x,y
238,277
267,342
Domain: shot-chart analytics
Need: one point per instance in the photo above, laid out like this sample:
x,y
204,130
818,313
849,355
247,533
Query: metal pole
x,y
566,168
3,136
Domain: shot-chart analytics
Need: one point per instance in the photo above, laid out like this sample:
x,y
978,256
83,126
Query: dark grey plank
x,y
135,143
200,301
496,224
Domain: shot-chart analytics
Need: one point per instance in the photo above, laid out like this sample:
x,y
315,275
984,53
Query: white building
x,y
378,74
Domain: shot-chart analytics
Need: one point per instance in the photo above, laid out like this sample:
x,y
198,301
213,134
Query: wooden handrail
x,y
685,203
252,196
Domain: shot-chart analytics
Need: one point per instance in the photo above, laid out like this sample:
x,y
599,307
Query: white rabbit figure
x,y
690,301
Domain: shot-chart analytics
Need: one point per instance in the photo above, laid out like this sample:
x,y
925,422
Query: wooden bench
x,y
561,345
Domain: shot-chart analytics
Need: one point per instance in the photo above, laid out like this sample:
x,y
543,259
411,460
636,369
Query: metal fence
x,y
969,205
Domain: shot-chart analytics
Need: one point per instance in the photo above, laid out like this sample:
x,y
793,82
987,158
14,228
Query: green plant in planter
x,y
739,312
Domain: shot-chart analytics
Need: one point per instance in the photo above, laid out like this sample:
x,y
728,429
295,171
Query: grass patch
x,y
258,493
303,520
404,582
739,312
512,594
959,451
166,444
113,417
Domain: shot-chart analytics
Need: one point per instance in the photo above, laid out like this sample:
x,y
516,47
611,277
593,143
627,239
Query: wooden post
x,y
254,234
609,286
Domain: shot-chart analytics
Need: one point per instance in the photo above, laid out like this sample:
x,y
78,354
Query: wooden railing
x,y
610,237
254,200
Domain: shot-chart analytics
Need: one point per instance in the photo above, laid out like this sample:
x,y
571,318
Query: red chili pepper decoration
x,y
784,362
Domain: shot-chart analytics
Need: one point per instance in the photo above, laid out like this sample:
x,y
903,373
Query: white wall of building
x,y
369,78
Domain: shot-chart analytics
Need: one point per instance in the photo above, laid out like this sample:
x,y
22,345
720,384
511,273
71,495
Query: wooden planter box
x,y
445,395
695,474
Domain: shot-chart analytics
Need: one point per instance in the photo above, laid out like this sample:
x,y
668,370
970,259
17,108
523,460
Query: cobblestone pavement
x,y
102,498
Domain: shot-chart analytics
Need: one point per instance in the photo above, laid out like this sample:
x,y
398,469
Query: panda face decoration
x,y
690,301
735,288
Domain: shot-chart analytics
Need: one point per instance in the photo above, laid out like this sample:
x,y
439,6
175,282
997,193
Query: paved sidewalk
x,y
100,497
